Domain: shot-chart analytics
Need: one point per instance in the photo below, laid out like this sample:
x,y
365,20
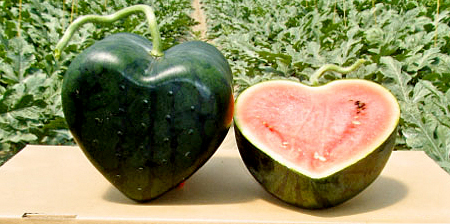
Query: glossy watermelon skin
x,y
147,123
302,191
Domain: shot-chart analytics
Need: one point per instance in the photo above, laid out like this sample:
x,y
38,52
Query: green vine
x,y
150,15
314,79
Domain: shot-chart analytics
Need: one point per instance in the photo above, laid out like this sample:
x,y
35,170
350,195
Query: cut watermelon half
x,y
315,132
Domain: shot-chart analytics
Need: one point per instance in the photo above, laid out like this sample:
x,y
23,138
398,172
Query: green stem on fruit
x,y
150,15
314,79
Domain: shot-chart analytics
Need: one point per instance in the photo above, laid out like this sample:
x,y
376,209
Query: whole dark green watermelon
x,y
148,123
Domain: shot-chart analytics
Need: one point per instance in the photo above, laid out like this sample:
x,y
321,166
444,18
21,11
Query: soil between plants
x,y
199,16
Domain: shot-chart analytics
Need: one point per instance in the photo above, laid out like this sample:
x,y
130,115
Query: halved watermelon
x,y
316,147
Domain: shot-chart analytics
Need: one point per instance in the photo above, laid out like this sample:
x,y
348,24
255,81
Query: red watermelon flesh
x,y
317,130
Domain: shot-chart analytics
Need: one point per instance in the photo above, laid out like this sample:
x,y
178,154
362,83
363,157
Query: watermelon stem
x,y
314,79
147,10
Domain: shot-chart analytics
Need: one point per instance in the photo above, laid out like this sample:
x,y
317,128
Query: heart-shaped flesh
x,y
317,130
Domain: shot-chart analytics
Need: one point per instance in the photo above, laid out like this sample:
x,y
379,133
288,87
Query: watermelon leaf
x,y
428,126
404,42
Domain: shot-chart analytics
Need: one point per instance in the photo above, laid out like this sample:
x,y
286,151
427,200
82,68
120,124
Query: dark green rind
x,y
297,189
147,124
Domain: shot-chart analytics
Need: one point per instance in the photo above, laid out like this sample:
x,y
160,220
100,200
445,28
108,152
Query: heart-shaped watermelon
x,y
148,123
316,147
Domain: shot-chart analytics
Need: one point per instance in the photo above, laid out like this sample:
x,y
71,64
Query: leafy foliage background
x,y
406,44
30,77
